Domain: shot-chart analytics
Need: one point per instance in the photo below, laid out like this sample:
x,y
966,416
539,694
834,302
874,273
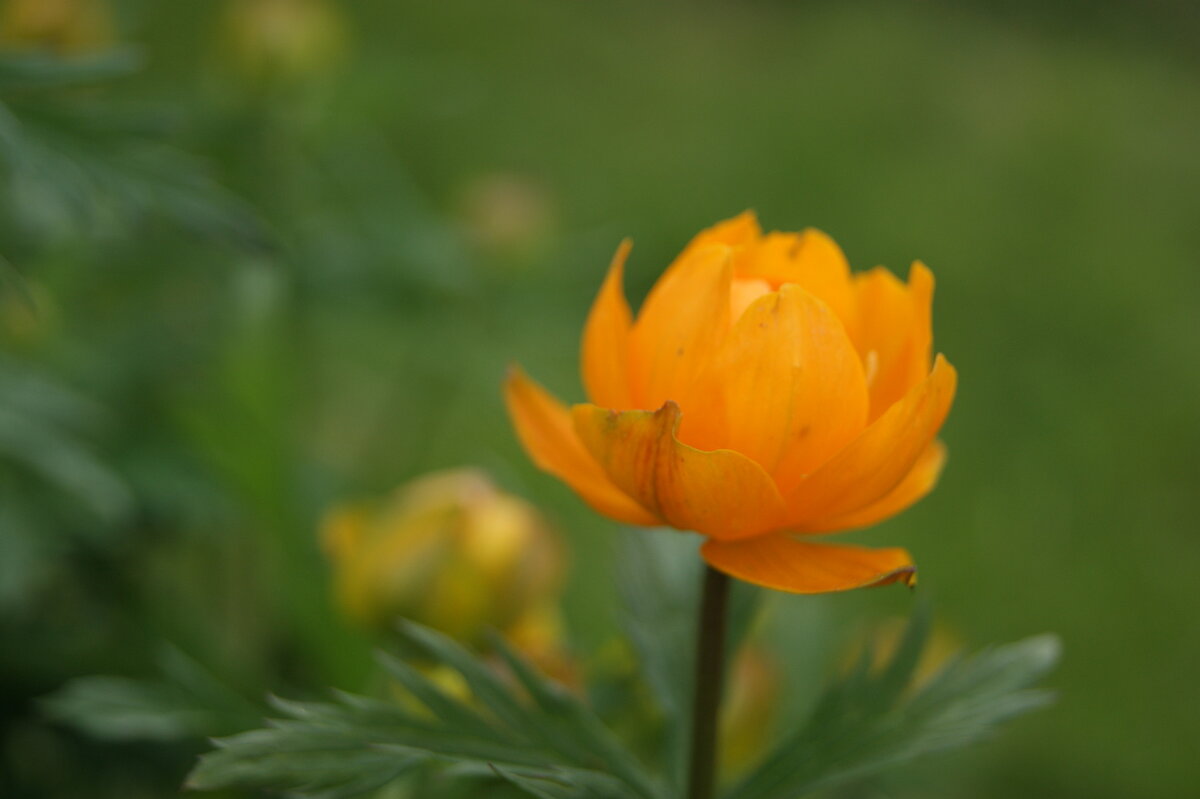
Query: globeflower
x,y
763,394
452,551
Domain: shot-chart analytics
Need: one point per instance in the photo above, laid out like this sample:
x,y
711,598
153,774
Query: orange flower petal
x,y
916,484
786,390
874,464
743,293
920,286
722,494
679,327
544,426
605,349
739,231
802,567
809,259
894,336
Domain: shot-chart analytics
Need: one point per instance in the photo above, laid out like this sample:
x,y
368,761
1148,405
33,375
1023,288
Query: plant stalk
x,y
706,701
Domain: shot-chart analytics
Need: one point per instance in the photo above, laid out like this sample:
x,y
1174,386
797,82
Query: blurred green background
x,y
264,256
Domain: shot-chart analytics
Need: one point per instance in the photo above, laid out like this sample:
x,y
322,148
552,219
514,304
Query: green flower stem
x,y
710,665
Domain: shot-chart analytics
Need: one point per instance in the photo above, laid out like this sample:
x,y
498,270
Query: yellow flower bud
x,y
451,551
62,26
28,314
508,216
283,38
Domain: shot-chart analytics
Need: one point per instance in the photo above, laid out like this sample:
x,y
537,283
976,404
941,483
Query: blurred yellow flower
x,y
283,38
508,215
749,709
453,552
28,313
62,26
884,638
762,391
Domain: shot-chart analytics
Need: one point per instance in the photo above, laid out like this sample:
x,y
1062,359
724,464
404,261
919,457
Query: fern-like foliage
x,y
72,159
524,729
187,702
519,726
871,719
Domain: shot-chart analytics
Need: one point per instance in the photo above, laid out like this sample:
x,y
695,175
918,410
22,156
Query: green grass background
x,y
1043,162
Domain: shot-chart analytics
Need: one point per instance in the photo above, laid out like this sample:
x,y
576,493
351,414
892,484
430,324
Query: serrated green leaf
x,y
307,765
870,720
118,708
381,724
571,721
443,706
189,703
355,740
560,784
485,684
74,164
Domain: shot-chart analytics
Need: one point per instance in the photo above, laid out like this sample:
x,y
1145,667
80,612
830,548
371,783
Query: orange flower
x,y
762,394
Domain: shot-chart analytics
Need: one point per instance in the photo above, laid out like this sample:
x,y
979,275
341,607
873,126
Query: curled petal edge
x,y
804,567
544,427
719,493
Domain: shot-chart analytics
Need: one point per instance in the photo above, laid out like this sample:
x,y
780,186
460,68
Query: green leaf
x,y
306,762
189,703
40,426
120,708
78,164
574,725
553,743
445,707
659,585
11,280
485,684
871,719
38,71
659,588
558,784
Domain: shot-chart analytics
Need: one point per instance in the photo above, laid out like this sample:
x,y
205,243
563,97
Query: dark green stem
x,y
710,664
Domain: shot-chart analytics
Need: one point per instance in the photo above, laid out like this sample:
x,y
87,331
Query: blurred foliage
x,y
360,744
243,278
554,746
188,702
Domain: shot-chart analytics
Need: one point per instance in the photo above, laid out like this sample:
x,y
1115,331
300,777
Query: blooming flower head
x,y
451,551
763,393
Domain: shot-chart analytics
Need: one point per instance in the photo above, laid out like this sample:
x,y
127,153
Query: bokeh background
x,y
268,256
